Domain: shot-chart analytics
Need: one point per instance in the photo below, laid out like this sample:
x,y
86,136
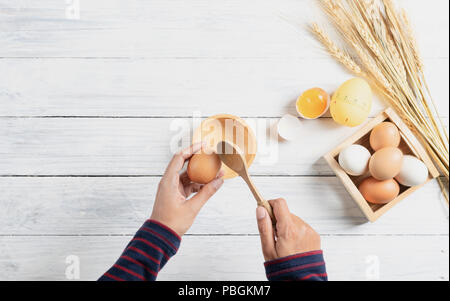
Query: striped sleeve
x,y
145,255
304,266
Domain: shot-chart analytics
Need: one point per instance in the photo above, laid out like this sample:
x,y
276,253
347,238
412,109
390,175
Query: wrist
x,y
301,266
292,256
164,228
167,222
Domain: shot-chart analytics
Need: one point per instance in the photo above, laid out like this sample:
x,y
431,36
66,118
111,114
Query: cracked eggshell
x,y
288,127
313,103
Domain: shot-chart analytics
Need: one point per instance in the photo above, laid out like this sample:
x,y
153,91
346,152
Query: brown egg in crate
x,y
409,146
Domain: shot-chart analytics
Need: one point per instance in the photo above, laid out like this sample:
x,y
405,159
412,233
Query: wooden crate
x,y
409,145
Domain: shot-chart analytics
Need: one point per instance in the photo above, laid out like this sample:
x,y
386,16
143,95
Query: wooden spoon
x,y
234,159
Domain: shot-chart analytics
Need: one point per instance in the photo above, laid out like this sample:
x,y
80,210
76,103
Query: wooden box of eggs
x,y
381,164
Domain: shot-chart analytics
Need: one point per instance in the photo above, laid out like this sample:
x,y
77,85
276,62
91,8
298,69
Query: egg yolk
x,y
312,103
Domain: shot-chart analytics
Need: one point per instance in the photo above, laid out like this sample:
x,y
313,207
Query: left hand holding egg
x,y
203,167
172,206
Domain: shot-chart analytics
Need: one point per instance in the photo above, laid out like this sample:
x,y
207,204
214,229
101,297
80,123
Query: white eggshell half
x,y
354,159
289,127
413,172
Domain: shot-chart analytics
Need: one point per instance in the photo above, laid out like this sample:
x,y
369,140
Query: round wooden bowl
x,y
228,128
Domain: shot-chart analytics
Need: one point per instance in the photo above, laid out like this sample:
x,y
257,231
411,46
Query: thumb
x,y
266,233
205,193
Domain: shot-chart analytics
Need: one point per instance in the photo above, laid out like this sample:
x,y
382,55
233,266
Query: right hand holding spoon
x,y
292,234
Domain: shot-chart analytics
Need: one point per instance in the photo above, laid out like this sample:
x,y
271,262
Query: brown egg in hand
x,y
203,168
386,134
386,163
379,192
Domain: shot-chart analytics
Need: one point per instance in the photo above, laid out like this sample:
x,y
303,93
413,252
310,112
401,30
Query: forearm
x,y
304,266
145,255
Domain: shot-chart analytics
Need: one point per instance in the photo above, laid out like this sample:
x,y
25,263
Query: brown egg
x,y
379,192
386,163
385,134
203,168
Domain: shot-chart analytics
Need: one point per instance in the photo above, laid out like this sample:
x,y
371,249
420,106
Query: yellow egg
x,y
352,102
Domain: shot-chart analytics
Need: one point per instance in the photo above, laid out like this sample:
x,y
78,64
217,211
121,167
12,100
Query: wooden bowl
x,y
228,128
409,146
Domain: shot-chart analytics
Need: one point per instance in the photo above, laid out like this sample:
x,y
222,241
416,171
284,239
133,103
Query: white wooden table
x,y
86,108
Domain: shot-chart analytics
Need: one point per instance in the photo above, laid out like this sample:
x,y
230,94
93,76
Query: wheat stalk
x,y
412,41
382,39
336,52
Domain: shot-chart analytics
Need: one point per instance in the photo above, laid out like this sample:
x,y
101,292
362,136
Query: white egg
x,y
289,127
354,159
413,172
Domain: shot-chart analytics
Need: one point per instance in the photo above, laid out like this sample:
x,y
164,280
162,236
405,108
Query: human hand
x,y
292,234
172,206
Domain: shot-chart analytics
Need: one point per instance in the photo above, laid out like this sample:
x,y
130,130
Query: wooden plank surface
x,y
143,146
229,257
176,28
128,146
119,205
171,87
89,108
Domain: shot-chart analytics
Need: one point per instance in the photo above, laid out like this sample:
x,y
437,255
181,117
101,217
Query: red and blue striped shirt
x,y
154,244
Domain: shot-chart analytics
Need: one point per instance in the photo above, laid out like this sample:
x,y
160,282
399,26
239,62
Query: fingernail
x,y
260,212
217,183
221,173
